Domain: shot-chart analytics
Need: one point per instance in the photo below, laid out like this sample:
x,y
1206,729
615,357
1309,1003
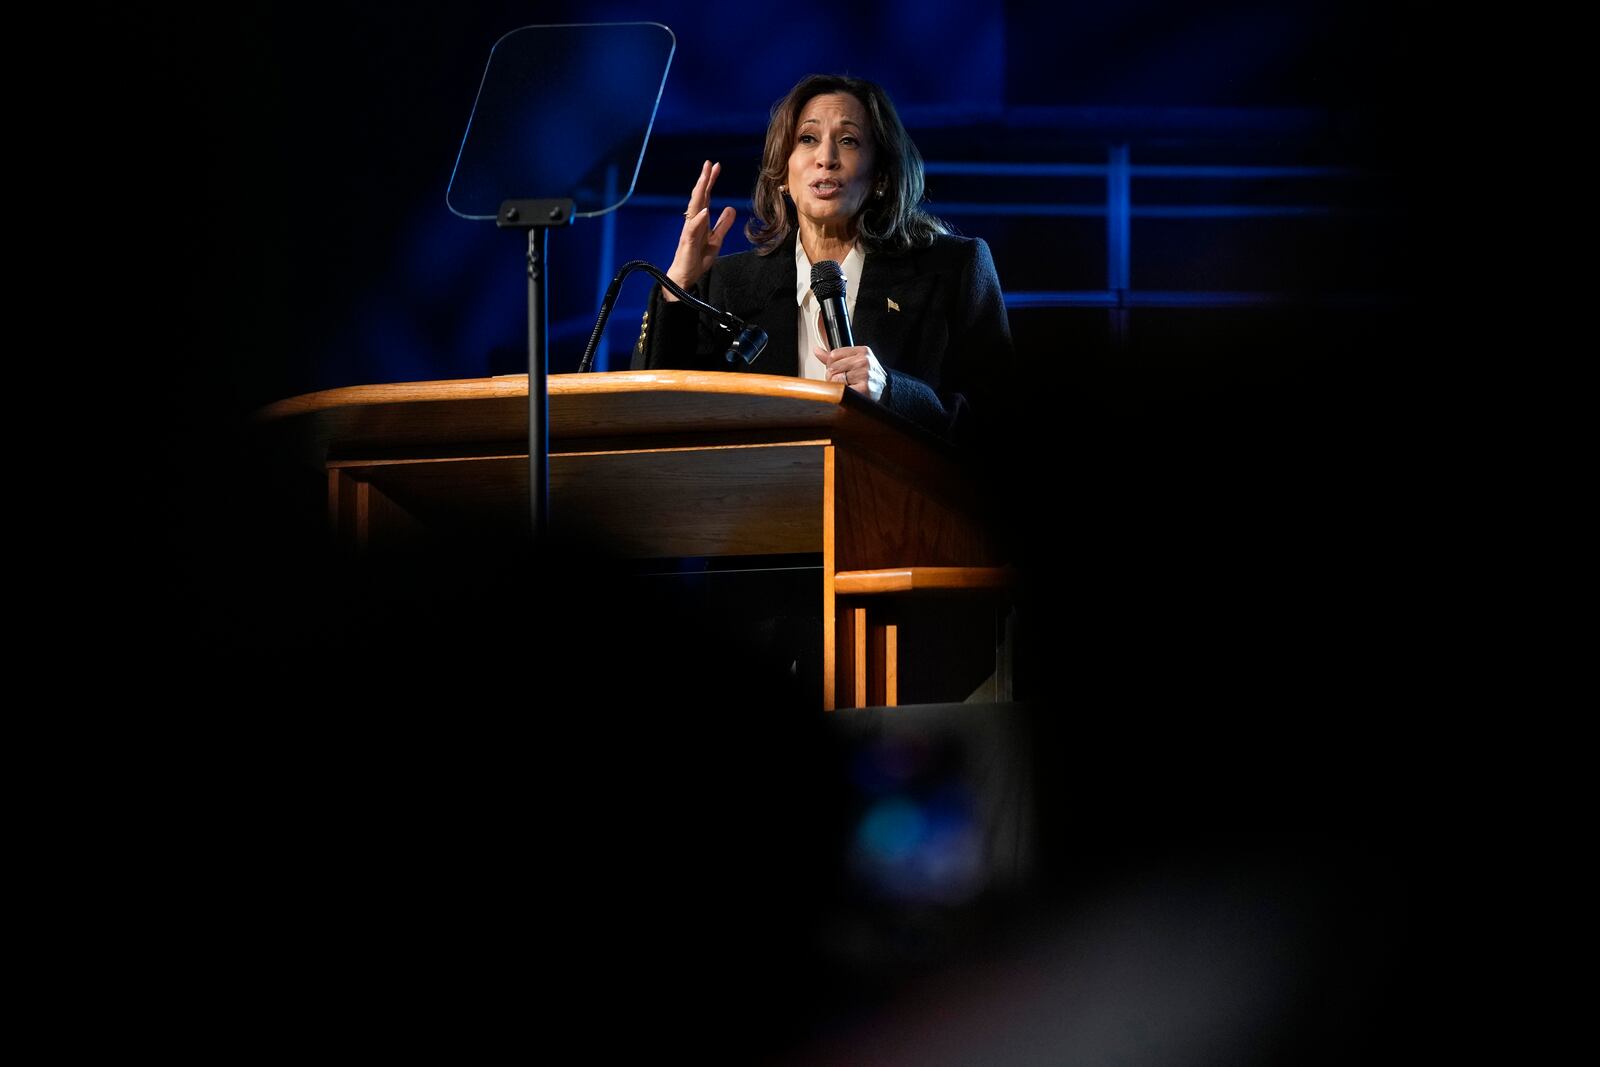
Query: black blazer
x,y
933,316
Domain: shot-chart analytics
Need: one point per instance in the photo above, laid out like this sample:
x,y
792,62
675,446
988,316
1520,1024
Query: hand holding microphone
x,y
847,362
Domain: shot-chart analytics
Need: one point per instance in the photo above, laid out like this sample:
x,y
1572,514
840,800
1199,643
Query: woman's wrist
x,y
676,278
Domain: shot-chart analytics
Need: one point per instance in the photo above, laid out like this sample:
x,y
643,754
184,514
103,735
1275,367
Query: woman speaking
x,y
840,180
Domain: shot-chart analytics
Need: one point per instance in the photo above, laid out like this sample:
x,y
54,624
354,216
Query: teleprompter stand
x,y
538,218
564,110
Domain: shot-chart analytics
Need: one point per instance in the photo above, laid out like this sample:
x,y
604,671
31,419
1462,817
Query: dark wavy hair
x,y
893,222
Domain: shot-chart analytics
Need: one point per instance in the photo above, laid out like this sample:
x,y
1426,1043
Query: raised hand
x,y
700,243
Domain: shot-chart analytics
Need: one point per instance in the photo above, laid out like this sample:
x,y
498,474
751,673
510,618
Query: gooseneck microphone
x,y
828,284
749,342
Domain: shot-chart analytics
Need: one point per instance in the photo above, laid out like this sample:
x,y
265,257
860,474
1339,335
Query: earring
x,y
878,192
783,189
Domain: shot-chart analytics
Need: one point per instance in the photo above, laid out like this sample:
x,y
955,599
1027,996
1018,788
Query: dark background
x,y
1225,502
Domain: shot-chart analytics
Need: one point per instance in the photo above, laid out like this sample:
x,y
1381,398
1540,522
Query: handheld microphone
x,y
828,284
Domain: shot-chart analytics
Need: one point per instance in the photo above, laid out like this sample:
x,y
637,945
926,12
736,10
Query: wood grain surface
x,y
920,580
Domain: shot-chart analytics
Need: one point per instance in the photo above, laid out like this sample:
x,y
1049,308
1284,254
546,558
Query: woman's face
x,y
831,165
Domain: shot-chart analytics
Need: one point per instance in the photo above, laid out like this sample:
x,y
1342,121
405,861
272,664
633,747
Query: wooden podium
x,y
651,464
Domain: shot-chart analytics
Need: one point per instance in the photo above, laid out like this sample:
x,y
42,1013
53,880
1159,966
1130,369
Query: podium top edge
x,y
514,385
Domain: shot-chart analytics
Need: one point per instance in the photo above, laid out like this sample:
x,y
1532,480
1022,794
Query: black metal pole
x,y
538,217
538,387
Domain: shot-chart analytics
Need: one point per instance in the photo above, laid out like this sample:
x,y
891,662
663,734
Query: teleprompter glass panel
x,y
562,112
